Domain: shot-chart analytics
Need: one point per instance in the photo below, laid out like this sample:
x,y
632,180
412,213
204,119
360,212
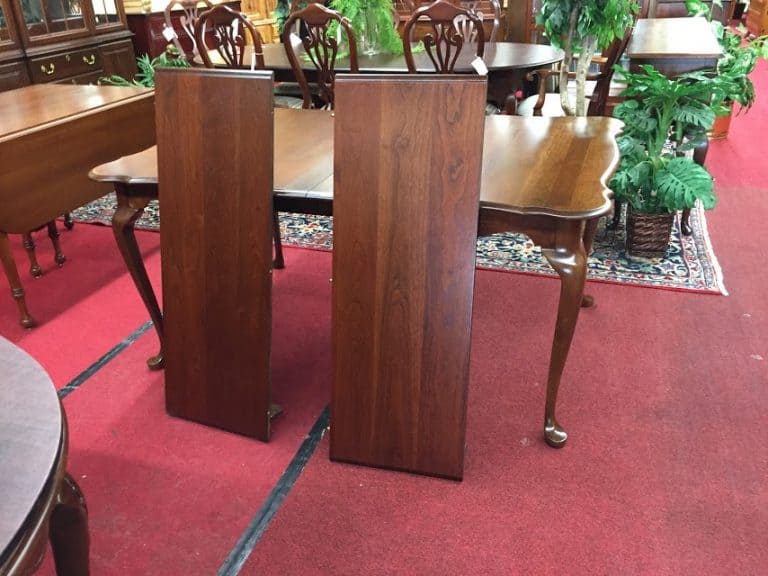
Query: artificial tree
x,y
582,27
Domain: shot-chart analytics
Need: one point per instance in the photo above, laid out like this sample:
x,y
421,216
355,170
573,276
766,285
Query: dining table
x,y
508,63
40,501
544,177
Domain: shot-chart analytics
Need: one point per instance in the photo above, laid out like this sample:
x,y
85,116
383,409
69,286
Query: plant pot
x,y
648,234
721,125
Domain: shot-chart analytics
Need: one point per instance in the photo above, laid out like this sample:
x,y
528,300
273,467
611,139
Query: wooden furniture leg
x,y
29,246
699,156
17,291
53,234
68,222
567,256
279,262
130,207
590,228
68,530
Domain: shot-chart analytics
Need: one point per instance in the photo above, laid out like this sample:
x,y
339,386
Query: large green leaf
x,y
681,182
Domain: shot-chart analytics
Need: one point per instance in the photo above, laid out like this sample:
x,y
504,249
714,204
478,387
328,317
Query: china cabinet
x,y
72,41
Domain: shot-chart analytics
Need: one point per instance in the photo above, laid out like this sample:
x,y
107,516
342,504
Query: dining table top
x,y
30,440
34,107
673,38
548,166
498,56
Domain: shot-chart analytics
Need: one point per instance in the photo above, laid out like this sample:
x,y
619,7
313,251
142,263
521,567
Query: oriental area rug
x,y
690,263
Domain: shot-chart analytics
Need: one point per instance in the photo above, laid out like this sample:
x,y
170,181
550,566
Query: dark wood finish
x,y
449,28
40,500
489,12
675,46
72,128
181,17
678,9
96,45
29,246
402,301
321,45
148,27
217,245
552,188
228,32
507,64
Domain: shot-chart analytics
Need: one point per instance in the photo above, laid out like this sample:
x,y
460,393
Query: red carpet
x,y
664,397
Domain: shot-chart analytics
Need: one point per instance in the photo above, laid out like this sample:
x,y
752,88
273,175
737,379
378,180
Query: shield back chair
x,y
448,28
486,10
598,84
322,46
187,12
234,37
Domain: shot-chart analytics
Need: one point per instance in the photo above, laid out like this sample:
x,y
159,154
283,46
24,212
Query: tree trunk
x,y
582,69
565,102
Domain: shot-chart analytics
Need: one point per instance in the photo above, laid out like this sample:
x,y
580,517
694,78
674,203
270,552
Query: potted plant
x,y
582,27
664,120
741,52
146,68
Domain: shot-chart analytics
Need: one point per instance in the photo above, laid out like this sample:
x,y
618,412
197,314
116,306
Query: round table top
x,y
498,56
30,438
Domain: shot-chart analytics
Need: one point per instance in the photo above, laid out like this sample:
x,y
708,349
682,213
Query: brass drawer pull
x,y
90,60
48,70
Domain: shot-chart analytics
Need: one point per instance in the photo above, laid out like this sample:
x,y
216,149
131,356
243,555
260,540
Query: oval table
x,y
39,499
507,63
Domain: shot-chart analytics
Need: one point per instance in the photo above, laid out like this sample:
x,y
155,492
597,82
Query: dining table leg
x,y
566,254
12,273
130,207
68,529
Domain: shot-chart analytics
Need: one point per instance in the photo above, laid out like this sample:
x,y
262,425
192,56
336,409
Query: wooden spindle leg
x,y
279,263
12,273
68,222
53,234
29,246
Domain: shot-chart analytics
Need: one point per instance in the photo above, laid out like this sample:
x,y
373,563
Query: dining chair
x,y
598,84
484,9
448,28
187,12
322,45
236,39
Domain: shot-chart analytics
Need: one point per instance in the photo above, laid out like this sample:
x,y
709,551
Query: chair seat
x,y
288,102
552,106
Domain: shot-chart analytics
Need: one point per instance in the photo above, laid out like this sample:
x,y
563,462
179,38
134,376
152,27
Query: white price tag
x,y
479,65
169,34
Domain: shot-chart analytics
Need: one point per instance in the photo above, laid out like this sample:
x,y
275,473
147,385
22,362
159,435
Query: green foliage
x,y
741,51
146,69
664,119
582,27
601,19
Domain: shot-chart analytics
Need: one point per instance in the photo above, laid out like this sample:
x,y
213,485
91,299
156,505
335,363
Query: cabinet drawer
x,y
60,66
13,76
87,78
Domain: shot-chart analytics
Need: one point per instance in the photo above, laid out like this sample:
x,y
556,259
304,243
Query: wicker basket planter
x,y
648,234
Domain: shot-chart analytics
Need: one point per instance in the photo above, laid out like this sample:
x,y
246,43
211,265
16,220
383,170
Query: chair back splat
x,y
322,44
187,12
407,166
230,33
448,28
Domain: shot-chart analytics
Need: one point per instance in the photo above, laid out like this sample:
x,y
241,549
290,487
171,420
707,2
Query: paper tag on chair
x,y
479,65
169,34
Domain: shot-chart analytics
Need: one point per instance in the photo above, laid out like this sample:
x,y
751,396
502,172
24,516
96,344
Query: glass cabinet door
x,y
5,34
106,13
43,17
